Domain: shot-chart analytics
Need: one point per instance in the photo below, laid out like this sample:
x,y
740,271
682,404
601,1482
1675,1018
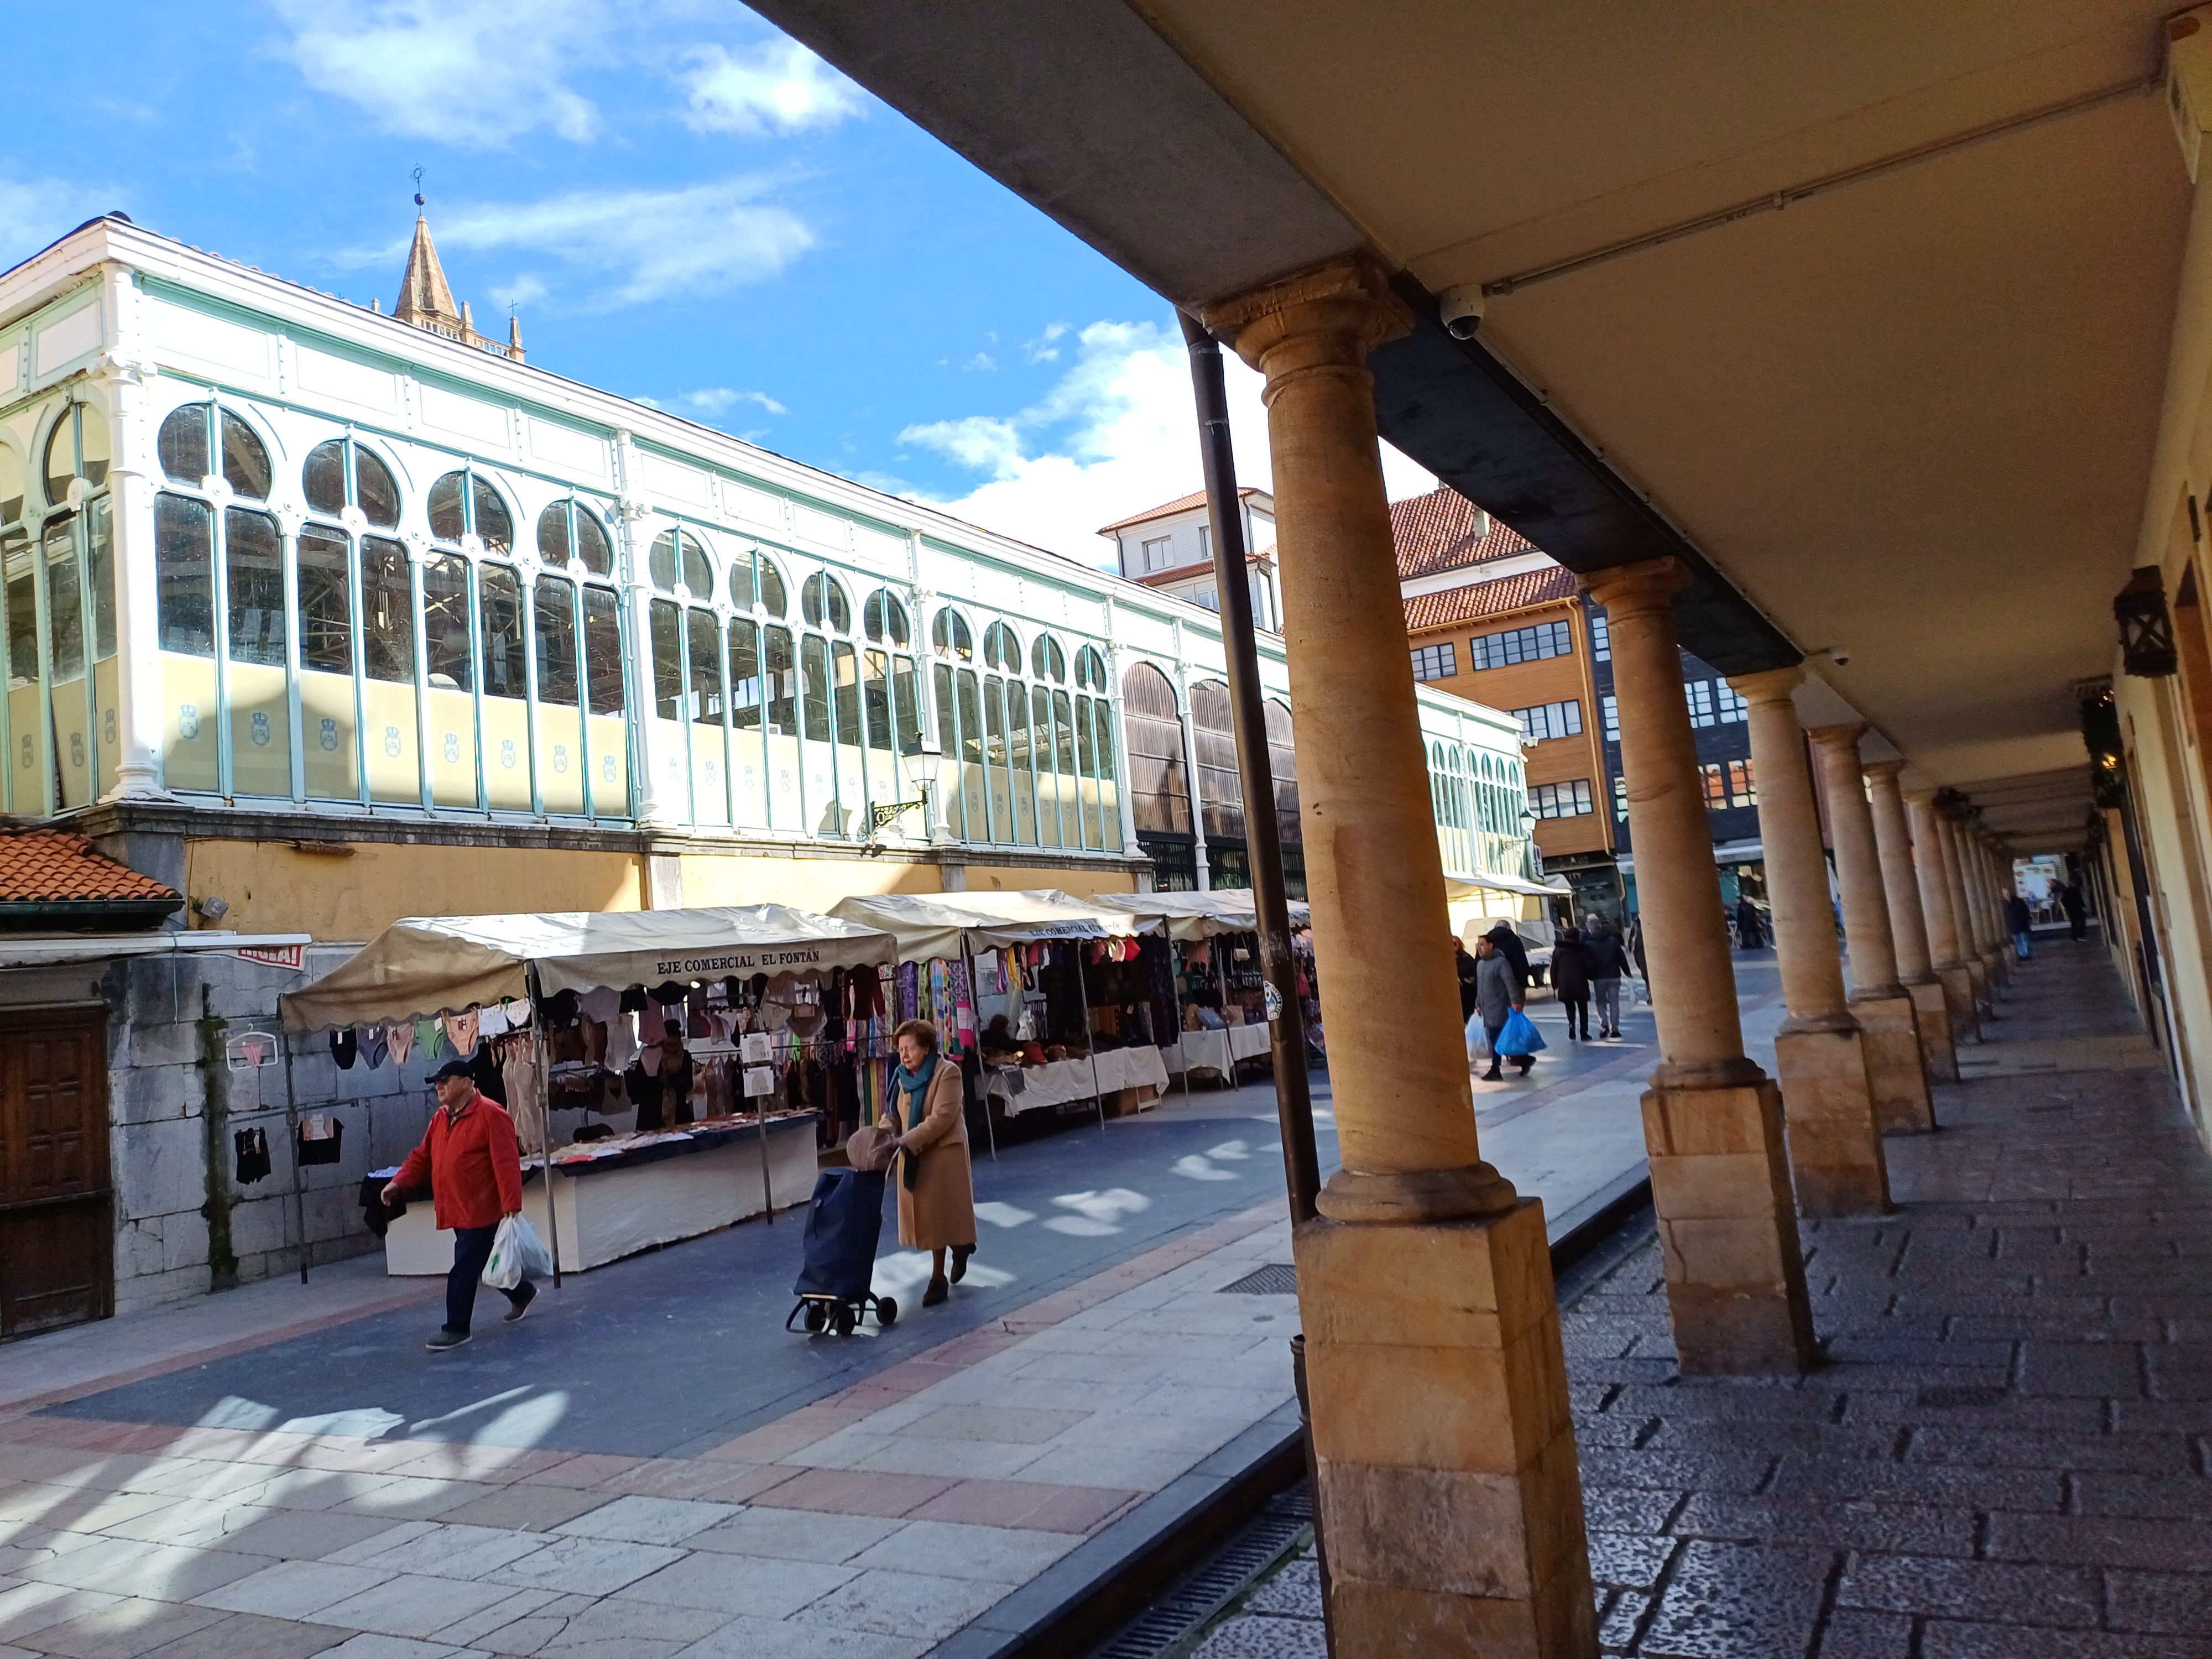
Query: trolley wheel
x,y
843,1320
815,1318
886,1311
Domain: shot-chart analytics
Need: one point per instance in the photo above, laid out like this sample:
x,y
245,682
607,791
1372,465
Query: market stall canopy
x,y
933,925
426,965
1460,887
1201,915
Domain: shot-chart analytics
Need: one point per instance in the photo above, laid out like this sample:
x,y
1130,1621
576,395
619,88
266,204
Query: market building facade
x,y
320,617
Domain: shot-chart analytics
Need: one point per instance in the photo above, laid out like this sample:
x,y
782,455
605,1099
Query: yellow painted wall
x,y
274,889
711,879
983,879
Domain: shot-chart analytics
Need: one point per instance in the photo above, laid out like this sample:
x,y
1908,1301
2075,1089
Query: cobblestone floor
x,y
2008,1451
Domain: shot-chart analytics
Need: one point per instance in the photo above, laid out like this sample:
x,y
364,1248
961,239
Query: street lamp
x,y
921,766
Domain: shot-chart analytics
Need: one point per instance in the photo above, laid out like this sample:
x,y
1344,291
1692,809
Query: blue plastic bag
x,y
1519,1035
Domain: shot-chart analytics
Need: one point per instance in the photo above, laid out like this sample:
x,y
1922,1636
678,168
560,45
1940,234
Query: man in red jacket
x,y
469,1161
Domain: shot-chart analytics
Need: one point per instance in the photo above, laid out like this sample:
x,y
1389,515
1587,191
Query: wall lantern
x,y
2146,625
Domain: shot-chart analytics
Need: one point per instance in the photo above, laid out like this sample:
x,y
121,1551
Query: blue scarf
x,y
915,1086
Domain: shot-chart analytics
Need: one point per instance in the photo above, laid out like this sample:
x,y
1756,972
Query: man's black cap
x,y
452,1068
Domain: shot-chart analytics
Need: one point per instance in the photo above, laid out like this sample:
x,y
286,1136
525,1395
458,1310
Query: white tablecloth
x,y
1060,1081
1219,1050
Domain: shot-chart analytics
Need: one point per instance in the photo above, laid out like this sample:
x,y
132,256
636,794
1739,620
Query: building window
x,y
1743,789
1560,800
1610,707
1698,694
1716,781
1205,543
1553,639
1550,720
1436,662
1601,637
1159,553
1732,706
1620,797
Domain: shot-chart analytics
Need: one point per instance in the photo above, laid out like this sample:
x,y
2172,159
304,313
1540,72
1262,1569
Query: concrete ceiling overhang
x,y
1895,392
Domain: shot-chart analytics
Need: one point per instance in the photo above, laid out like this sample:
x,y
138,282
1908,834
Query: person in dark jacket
x,y
1507,944
469,1161
2076,910
1750,931
2019,924
1498,993
1463,964
1608,964
1571,978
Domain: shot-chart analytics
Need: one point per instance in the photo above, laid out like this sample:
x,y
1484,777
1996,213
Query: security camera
x,y
212,908
1461,310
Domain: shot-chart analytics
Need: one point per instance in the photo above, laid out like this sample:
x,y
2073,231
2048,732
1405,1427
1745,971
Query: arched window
x,y
949,634
463,504
61,742
340,473
1283,762
1048,661
677,558
1091,669
190,434
569,535
885,618
1160,789
76,448
1002,649
1220,786
822,601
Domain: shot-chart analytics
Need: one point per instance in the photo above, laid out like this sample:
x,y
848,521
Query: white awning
x,y
427,965
932,925
1201,915
1460,887
1726,852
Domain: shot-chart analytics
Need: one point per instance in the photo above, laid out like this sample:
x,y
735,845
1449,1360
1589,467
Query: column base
x,y
1939,1055
1449,1490
1902,1104
1978,970
1829,1114
1958,984
1720,1182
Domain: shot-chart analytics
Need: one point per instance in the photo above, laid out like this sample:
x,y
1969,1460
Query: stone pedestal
x,y
1736,1279
1895,1063
1939,1049
1450,1494
1822,1067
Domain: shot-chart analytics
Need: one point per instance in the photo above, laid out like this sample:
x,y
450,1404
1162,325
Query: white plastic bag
x,y
517,1253
1478,1039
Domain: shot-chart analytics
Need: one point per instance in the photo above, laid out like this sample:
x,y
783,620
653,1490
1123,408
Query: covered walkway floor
x,y
2003,1451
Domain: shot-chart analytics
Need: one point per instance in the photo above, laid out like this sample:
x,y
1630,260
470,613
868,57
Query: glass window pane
x,y
100,555
951,634
972,756
553,542
698,574
184,575
448,511
660,563
706,641
847,676
183,444
323,478
91,444
245,461
809,599
886,617
667,661
495,525
602,652
325,619
387,612
782,683
376,492
773,600
11,485
446,627
906,706
744,676
558,668
254,568
499,605
878,702
814,653
744,585
61,457
592,545
23,609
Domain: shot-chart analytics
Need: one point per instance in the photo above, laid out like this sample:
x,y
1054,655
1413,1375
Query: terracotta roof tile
x,y
1492,598
1181,504
1444,531
53,866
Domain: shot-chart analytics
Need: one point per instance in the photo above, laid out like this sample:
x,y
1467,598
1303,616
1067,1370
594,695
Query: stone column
x,y
1945,949
1965,909
1908,925
1712,1121
1879,1000
1449,1489
1827,1096
1999,889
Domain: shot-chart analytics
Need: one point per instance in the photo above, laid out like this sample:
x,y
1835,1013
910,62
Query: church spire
x,y
425,298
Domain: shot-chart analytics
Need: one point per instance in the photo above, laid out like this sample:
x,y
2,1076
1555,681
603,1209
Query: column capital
x,y
1334,313
1841,736
1646,584
1884,768
1769,685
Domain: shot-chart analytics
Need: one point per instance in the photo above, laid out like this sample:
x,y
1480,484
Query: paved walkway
x,y
2004,1455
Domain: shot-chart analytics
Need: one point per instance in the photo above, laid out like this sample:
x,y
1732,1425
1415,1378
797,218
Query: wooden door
x,y
57,1210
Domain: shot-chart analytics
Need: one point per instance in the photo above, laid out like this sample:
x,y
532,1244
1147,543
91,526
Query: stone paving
x,y
2005,1454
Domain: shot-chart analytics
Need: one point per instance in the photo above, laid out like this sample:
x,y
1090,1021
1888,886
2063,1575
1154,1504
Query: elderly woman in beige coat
x,y
936,1197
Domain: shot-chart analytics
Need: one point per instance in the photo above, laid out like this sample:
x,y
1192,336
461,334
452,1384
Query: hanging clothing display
x,y
375,1044
430,1037
252,1156
321,1136
344,1047
461,1031
401,1039
518,1072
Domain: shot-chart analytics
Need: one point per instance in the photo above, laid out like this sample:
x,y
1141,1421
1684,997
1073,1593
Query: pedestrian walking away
x,y
467,1159
1498,993
1463,964
936,1190
2078,910
1635,943
1509,945
1571,978
1750,929
2019,924
1608,964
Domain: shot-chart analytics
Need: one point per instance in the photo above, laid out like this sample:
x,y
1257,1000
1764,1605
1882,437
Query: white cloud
x,y
720,399
36,211
469,72
524,288
1116,434
630,246
777,86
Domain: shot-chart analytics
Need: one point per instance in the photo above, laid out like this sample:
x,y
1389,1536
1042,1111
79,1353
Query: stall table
x,y
1061,1082
1218,1051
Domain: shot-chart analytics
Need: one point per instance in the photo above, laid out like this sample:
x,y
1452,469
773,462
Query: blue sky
x,y
684,207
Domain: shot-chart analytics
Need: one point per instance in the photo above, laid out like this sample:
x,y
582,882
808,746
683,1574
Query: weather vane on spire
x,y
418,187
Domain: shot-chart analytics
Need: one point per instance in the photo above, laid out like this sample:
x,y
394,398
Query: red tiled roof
x,y
1181,504
1438,532
55,866
1513,592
